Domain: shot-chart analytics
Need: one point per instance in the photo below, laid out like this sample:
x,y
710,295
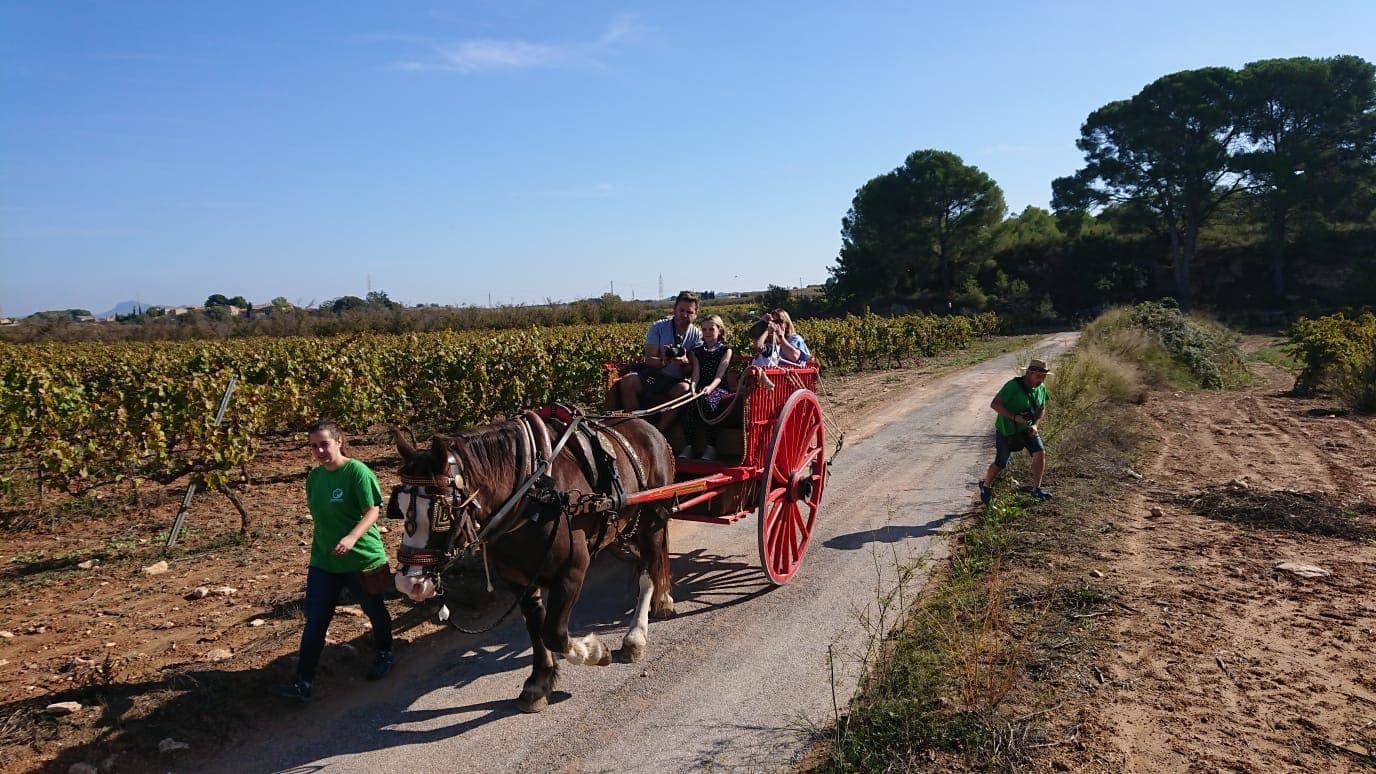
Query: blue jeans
x,y
322,592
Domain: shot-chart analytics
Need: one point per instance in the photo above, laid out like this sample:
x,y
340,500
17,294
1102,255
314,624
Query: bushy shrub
x,y
1339,357
1187,348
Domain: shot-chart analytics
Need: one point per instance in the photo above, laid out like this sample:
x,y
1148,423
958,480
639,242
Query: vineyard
x,y
77,416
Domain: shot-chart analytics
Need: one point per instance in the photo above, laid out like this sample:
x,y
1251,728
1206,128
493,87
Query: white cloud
x,y
485,54
623,27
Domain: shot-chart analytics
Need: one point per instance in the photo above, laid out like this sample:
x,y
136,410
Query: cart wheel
x,y
791,486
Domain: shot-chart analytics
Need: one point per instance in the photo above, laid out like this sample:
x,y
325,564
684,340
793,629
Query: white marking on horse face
x,y
422,503
414,584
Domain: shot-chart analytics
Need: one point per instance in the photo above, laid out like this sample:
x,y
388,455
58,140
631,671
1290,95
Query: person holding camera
x,y
666,371
792,347
1020,405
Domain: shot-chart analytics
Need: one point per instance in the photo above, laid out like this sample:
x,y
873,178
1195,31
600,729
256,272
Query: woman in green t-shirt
x,y
344,500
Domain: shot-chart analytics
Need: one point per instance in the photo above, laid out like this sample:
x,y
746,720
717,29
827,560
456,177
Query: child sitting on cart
x,y
710,361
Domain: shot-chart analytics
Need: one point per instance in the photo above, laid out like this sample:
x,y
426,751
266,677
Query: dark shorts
x,y
1005,445
656,382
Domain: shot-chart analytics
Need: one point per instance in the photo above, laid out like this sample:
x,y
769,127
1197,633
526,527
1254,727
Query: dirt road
x,y
736,680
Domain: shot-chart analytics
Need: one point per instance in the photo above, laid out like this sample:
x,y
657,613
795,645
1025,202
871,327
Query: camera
x,y
674,350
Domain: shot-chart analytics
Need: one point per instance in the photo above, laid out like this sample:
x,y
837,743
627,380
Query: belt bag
x,y
377,580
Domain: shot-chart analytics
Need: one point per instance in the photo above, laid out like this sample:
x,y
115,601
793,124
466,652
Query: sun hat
x,y
1038,366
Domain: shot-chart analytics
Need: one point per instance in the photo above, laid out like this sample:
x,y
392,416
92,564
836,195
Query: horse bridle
x,y
454,498
442,513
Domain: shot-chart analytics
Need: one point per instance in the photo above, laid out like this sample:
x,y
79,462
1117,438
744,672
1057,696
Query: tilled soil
x,y
1227,660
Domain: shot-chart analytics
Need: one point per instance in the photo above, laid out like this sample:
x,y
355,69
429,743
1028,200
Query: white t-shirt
x,y
768,358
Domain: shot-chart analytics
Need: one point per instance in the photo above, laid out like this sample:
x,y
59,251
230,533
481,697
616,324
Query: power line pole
x,y
661,286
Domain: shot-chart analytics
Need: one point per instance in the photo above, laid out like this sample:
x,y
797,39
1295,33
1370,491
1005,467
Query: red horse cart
x,y
771,462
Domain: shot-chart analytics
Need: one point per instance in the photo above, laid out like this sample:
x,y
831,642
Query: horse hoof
x,y
663,613
532,706
631,653
606,659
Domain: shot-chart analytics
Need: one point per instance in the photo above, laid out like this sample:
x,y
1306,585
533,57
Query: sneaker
x,y
710,453
686,454
298,690
986,493
381,665
1041,494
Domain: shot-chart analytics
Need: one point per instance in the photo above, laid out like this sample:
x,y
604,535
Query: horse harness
x,y
595,456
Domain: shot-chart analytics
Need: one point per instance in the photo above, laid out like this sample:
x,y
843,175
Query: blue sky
x,y
521,151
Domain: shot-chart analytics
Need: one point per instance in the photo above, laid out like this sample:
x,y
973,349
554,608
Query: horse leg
x,y
588,650
633,646
544,673
654,548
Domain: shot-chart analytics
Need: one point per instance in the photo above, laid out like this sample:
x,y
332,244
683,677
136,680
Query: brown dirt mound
x,y
1313,513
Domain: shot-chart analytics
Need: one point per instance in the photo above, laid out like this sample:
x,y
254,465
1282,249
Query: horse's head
x,y
432,501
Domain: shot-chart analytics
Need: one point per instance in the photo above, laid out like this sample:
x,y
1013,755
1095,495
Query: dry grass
x,y
989,643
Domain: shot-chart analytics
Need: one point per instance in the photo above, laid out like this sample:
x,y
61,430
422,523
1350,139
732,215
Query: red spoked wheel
x,y
791,486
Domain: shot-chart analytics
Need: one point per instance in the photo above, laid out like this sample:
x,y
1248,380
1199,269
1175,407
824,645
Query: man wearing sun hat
x,y
1019,405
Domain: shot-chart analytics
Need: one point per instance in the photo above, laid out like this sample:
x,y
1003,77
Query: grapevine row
x,y
84,414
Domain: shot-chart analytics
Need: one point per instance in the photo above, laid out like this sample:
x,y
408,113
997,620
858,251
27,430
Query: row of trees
x,y
1276,160
350,314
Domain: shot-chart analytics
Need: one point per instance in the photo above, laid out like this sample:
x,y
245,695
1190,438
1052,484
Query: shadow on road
x,y
890,533
232,723
715,582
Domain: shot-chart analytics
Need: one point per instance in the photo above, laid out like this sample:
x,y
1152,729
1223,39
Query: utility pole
x,y
613,287
661,286
370,285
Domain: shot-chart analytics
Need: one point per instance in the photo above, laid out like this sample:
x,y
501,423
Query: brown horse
x,y
548,531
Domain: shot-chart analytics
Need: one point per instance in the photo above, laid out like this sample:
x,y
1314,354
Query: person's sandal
x,y
1041,494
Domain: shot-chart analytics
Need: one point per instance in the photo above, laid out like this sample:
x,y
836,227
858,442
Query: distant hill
x,y
126,307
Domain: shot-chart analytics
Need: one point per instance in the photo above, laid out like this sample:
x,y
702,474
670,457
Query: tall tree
x,y
1311,131
916,227
1170,150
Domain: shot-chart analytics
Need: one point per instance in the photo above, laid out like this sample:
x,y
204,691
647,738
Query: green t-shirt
x,y
1015,399
338,499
